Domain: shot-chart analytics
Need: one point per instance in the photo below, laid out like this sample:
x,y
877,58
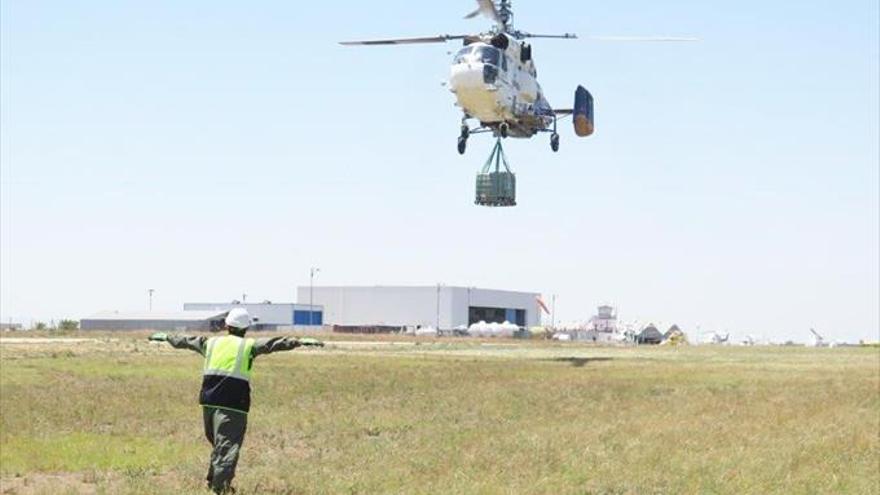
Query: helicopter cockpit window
x,y
485,54
462,54
488,55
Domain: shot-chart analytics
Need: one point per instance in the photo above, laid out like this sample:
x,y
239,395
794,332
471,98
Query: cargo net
x,y
496,187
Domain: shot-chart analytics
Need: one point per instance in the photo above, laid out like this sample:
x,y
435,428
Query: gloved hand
x,y
159,337
310,342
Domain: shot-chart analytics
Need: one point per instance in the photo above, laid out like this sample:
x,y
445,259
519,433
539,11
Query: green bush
x,y
68,325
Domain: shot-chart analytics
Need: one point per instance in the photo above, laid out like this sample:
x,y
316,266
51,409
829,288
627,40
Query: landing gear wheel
x,y
504,129
554,142
465,132
462,145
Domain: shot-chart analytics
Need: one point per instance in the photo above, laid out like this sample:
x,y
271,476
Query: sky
x,y
209,149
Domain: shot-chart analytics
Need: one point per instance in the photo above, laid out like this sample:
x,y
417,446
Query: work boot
x,y
224,490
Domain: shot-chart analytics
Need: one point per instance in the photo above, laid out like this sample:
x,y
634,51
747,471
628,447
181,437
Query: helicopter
x,y
495,82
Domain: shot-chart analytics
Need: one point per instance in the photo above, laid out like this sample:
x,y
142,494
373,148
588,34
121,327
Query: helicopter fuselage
x,y
495,81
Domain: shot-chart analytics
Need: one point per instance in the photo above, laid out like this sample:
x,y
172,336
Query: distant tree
x,y
68,325
40,326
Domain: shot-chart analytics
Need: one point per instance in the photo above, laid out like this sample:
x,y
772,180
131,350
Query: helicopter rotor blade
x,y
486,8
572,36
408,41
673,39
566,36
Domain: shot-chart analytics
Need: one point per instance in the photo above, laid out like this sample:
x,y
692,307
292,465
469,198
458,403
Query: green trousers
x,y
225,430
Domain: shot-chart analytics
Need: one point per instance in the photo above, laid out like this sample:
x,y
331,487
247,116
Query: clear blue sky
x,y
207,149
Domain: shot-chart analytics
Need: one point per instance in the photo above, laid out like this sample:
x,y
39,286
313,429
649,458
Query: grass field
x,y
120,416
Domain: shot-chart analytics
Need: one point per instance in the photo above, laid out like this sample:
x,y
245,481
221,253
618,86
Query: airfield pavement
x,y
112,413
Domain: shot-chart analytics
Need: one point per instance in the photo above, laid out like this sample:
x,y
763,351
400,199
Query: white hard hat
x,y
238,318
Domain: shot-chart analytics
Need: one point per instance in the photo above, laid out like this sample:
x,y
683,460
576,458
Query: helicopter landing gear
x,y
504,129
554,142
462,139
554,137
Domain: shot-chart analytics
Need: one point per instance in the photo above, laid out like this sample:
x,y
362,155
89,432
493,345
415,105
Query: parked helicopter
x,y
495,81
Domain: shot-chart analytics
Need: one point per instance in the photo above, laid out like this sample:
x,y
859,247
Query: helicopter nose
x,y
466,76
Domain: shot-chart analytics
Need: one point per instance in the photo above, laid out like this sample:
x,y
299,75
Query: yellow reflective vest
x,y
227,372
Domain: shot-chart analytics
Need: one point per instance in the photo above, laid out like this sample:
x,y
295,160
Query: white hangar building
x,y
181,321
426,306
267,315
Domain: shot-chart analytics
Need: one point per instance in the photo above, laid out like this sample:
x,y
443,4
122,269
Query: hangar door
x,y
477,314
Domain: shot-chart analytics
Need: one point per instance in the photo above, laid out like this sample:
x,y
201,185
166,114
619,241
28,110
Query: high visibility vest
x,y
227,373
229,356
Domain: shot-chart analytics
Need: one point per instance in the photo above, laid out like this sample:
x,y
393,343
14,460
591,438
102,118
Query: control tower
x,y
605,320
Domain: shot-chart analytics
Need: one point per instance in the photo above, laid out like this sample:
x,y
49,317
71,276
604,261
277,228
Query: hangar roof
x,y
158,316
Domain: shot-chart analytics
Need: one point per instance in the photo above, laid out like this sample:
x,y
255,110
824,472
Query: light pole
x,y
553,312
438,309
312,271
150,292
469,308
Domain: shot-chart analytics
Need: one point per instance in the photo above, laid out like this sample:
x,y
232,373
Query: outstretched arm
x,y
193,343
276,344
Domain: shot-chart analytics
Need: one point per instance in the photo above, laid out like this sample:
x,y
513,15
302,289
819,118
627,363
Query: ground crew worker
x,y
226,390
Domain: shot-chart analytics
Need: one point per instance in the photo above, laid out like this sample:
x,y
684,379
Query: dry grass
x,y
119,416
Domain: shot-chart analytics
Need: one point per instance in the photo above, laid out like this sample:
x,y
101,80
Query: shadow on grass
x,y
578,362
